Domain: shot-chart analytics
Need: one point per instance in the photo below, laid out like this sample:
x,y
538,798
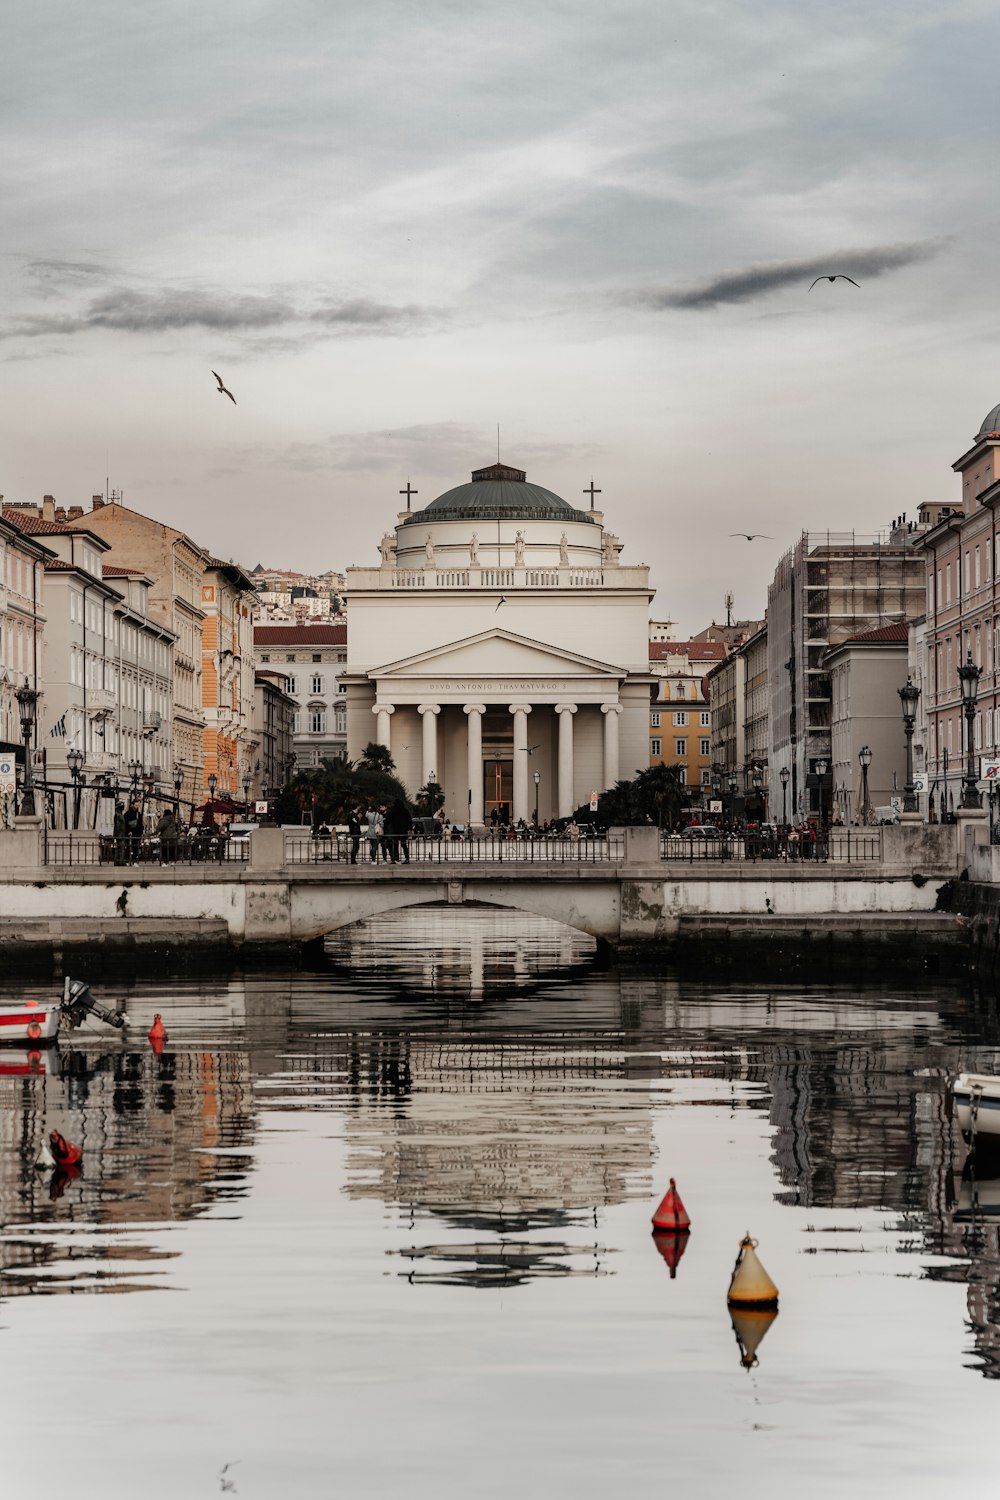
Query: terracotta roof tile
x,y
300,635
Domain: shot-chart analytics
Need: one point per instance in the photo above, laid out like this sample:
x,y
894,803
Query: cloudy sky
x,y
393,226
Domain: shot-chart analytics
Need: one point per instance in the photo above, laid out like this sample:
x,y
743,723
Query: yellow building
x,y
229,739
680,721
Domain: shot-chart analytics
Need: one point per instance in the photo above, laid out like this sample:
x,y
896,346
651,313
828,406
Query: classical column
x,y
429,713
474,712
566,803
382,712
611,712
521,712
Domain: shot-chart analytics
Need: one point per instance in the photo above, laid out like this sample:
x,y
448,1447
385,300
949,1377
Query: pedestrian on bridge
x,y
354,832
374,832
398,824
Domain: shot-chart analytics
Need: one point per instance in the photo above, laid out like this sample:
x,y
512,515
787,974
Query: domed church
x,y
501,649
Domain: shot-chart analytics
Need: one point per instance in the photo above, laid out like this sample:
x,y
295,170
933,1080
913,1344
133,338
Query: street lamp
x,y
865,760
968,675
178,783
246,795
74,760
538,777
27,702
784,776
212,782
909,696
821,766
135,771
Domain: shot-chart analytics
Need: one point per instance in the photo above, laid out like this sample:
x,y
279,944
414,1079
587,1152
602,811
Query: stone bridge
x,y
634,901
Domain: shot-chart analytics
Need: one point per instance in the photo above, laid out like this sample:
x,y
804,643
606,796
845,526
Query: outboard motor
x,y
78,1003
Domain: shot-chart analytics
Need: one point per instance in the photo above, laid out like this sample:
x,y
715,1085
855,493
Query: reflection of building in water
x,y
969,1236
149,1127
472,953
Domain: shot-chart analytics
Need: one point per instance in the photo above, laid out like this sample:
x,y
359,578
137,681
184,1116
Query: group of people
x,y
385,829
169,830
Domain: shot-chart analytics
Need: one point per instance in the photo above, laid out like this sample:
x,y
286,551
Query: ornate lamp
x,y
865,760
27,703
968,676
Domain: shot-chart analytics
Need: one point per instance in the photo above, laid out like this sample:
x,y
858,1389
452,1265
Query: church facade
x,y
501,650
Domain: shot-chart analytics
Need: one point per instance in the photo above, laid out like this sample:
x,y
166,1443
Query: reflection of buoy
x,y
64,1151
157,1032
671,1247
751,1286
46,1161
157,1043
750,1325
60,1177
34,1031
671,1217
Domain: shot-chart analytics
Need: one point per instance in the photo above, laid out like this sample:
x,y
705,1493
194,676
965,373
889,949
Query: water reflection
x,y
503,1107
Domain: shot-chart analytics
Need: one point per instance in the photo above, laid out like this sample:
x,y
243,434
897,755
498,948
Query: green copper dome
x,y
498,493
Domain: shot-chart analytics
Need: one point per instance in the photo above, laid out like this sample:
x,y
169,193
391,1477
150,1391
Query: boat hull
x,y
31,1022
977,1104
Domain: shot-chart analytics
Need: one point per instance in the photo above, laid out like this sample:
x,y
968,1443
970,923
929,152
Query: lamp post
x,y
538,777
784,776
178,783
865,760
732,799
74,760
758,782
135,771
821,767
246,795
27,702
968,675
909,696
212,782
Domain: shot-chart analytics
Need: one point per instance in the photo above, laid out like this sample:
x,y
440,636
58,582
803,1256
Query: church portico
x,y
520,712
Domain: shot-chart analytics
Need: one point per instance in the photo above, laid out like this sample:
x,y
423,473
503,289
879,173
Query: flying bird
x,y
224,392
752,536
501,600
837,276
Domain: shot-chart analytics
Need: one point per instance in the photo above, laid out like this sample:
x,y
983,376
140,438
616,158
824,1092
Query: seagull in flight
x,y
501,600
752,536
837,276
222,389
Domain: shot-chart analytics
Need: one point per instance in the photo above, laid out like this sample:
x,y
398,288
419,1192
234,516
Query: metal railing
x,y
749,848
338,848
101,849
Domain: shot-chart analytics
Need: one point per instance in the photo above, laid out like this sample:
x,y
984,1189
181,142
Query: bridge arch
x,y
320,908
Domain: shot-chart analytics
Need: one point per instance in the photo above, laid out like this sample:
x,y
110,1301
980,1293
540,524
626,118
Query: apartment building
x,y
312,658
229,739
680,720
22,625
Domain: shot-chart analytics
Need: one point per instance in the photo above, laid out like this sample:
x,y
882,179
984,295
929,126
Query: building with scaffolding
x,y
829,587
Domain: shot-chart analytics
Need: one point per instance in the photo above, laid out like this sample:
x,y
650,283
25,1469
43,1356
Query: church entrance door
x,y
498,788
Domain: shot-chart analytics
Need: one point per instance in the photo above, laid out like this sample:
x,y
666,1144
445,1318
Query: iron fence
x,y
835,848
102,849
338,848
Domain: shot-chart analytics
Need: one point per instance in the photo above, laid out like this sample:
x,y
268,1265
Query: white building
x,y
499,639
22,625
312,659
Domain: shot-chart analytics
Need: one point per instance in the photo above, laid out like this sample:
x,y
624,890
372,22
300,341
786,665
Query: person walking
x,y
374,832
133,830
354,832
168,834
398,824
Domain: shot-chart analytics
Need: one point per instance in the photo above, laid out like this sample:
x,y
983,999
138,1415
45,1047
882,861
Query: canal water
x,y
383,1230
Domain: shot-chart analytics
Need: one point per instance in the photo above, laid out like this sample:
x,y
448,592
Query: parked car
x,y
426,828
701,831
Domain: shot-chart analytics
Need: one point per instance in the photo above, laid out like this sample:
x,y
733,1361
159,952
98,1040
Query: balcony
x,y
100,702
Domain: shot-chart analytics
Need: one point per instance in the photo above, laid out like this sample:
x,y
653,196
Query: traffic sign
x,y
593,801
715,805
260,808
8,775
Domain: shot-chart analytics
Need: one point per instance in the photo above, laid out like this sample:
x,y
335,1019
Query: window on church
x,y
655,747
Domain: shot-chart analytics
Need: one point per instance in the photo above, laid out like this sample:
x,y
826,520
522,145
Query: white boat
x,y
977,1105
30,1021
36,1021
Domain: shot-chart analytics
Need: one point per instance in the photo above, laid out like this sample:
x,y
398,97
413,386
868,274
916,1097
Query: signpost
x,y
593,801
260,808
715,806
8,775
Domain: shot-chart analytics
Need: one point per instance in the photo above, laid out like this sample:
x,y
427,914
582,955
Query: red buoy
x,y
671,1217
64,1151
157,1032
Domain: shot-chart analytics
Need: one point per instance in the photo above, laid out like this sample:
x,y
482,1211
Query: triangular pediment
x,y
497,653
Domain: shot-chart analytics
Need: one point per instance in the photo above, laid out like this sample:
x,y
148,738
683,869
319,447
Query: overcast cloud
x,y
394,227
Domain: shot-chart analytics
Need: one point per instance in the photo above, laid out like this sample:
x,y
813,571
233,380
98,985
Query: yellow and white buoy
x,y
751,1286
